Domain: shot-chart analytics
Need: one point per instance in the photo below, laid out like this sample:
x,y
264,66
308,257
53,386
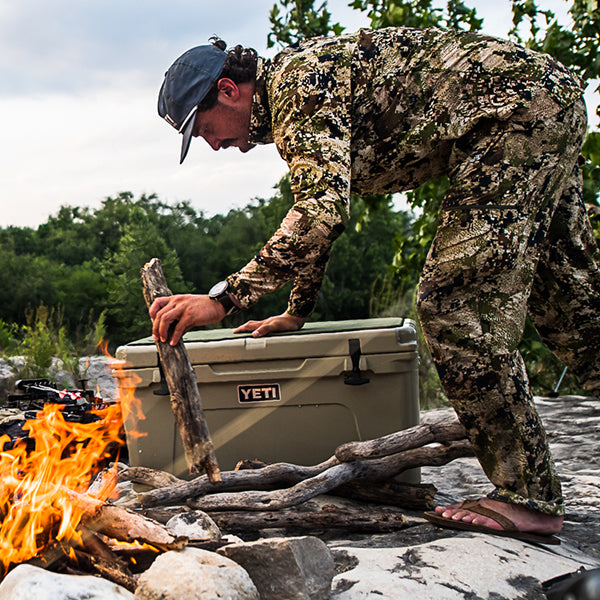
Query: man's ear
x,y
228,89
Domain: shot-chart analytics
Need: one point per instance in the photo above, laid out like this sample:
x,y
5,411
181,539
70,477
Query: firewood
x,y
416,496
163,514
113,571
413,437
183,387
380,469
327,518
267,477
128,526
152,478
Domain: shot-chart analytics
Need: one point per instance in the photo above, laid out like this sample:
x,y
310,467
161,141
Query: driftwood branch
x,y
336,474
413,437
326,518
416,496
265,478
183,388
333,477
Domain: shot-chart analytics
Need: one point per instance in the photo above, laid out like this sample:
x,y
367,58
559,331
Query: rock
x,y
26,582
195,525
464,566
7,380
58,375
298,568
97,372
194,574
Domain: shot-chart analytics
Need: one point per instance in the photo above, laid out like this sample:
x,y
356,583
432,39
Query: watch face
x,y
218,289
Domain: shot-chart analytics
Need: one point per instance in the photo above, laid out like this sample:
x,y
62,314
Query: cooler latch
x,y
355,377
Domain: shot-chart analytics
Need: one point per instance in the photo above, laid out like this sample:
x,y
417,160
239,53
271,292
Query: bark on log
x,y
265,478
334,518
183,388
379,469
413,437
416,496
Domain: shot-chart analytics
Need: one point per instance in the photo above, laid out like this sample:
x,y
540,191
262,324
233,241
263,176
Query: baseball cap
x,y
186,83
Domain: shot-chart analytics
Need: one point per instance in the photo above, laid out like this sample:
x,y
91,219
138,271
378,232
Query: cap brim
x,y
187,138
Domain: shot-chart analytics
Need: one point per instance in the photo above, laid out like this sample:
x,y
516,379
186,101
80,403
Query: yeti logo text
x,y
265,392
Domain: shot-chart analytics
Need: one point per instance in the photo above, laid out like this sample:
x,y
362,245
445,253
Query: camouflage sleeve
x,y
305,293
309,111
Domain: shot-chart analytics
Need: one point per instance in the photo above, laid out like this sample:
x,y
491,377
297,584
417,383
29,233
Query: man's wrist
x,y
220,293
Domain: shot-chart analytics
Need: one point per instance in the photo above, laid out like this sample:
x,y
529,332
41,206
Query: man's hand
x,y
284,322
182,312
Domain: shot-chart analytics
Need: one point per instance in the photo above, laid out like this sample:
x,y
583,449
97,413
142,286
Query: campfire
x,y
58,468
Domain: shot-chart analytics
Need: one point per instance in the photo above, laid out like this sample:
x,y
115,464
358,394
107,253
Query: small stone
x,y
195,525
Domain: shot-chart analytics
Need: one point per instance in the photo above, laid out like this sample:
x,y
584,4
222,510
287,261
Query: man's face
x,y
225,125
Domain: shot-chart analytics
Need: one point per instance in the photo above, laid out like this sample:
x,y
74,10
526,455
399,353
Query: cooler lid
x,y
321,338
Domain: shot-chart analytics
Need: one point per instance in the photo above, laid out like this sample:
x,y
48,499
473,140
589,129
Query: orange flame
x,y
44,491
35,500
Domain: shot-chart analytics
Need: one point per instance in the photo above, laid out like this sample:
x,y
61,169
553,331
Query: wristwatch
x,y
220,293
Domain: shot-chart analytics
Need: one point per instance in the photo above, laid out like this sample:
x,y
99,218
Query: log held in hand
x,y
183,387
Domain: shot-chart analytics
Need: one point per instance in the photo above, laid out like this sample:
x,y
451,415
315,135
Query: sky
x,y
78,90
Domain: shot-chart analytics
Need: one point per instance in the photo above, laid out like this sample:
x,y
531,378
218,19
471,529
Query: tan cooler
x,y
290,397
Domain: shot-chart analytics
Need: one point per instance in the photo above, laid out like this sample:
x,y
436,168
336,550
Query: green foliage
x,y
7,337
299,19
591,178
419,14
44,339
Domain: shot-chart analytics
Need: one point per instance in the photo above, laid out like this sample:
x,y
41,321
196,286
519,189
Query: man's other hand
x,y
284,322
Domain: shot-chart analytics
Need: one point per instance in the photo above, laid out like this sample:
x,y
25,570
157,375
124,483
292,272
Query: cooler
x,y
291,397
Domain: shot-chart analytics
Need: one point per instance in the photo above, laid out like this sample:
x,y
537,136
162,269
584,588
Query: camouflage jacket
x,y
372,112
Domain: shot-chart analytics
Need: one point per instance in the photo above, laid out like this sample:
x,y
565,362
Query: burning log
x,y
181,380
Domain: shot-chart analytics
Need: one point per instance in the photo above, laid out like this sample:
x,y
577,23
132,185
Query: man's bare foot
x,y
524,520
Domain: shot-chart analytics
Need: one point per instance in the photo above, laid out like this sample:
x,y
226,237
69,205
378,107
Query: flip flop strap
x,y
476,507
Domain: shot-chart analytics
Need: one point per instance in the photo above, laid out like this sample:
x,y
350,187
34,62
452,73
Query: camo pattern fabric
x,y
513,233
376,112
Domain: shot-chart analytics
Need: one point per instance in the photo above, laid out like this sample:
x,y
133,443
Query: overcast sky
x,y
78,87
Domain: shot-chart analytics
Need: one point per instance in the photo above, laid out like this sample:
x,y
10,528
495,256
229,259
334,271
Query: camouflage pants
x,y
513,237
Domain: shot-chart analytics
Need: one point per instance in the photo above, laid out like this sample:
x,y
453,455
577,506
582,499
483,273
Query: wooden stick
x,y
153,478
267,477
416,496
183,387
380,469
327,518
413,437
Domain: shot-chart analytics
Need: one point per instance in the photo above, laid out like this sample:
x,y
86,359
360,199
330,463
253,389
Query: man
x,y
384,111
